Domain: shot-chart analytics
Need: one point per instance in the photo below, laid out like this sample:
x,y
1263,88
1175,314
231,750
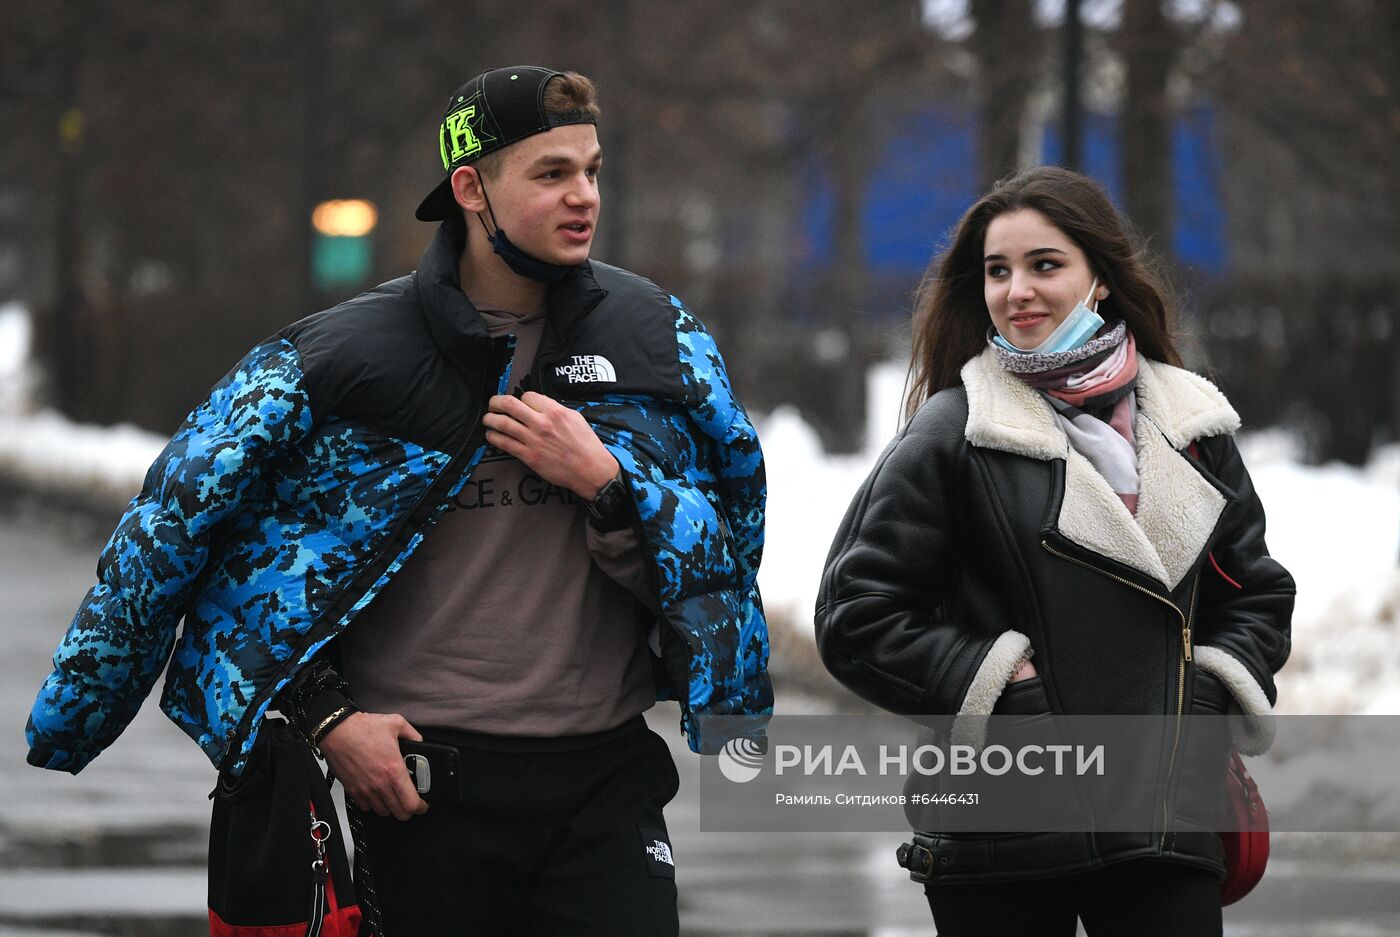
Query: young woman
x,y
1063,526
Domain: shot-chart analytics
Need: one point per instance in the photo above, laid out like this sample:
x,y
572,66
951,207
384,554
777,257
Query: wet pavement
x,y
119,850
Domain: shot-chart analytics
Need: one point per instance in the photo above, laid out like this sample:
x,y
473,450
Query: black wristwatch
x,y
608,509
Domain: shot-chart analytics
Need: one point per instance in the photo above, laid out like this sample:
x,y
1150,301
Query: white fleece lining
x,y
1185,406
1177,508
1254,733
1003,413
1008,652
1094,517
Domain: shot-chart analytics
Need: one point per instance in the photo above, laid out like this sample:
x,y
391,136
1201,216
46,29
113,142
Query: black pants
x,y
1137,898
553,842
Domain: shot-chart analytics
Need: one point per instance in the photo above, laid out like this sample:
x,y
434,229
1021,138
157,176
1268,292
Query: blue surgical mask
x,y
1074,330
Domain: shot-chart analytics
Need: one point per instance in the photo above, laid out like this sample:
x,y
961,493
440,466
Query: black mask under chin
x,y
532,268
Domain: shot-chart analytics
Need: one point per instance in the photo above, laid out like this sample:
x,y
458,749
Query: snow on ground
x,y
1336,528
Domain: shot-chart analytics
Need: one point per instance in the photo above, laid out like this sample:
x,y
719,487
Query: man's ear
x,y
467,190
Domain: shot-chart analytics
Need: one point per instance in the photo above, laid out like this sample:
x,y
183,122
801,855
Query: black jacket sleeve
x,y
879,624
1246,600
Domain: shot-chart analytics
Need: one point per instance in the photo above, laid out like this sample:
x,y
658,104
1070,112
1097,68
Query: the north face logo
x,y
660,852
587,369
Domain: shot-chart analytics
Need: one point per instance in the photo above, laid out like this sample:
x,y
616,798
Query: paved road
x,y
119,850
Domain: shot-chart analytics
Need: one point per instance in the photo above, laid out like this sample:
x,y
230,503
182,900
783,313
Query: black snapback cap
x,y
493,110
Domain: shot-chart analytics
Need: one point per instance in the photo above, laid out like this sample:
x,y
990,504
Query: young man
x,y
494,506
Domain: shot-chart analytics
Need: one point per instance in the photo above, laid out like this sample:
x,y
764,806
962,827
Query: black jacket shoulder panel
x,y
631,288
941,419
372,360
333,342
625,345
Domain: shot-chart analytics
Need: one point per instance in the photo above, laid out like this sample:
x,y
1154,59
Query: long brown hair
x,y
950,312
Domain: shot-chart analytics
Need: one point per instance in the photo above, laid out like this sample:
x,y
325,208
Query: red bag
x,y
1247,844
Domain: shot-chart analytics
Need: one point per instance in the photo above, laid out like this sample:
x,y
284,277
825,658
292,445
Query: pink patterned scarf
x,y
1094,402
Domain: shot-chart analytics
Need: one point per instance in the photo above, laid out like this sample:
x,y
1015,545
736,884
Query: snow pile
x,y
101,465
15,379
46,451
1337,529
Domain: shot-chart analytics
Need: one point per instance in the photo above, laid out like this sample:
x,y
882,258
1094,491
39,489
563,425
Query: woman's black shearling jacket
x,y
981,539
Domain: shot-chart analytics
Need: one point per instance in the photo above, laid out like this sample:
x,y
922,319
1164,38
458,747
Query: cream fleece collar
x,y
1177,507
1003,413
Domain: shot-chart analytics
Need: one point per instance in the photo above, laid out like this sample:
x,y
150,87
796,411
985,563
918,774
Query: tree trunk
x,y
850,164
1008,58
1149,49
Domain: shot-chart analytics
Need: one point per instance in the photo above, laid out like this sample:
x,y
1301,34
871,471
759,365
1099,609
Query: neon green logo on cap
x,y
457,139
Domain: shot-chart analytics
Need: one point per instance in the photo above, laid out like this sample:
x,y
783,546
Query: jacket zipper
x,y
1181,663
1180,700
294,662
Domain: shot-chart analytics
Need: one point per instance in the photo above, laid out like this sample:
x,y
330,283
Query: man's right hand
x,y
363,751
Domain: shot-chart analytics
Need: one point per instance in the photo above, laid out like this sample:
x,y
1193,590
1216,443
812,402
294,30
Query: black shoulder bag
x,y
277,863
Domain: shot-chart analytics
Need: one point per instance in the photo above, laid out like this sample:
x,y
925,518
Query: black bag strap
x,y
364,879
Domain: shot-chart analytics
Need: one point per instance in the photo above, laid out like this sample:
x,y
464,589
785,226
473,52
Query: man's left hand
x,y
553,440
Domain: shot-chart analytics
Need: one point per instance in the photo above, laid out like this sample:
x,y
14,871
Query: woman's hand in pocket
x,y
1023,698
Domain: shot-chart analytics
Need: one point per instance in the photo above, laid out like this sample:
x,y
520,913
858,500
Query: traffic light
x,y
343,251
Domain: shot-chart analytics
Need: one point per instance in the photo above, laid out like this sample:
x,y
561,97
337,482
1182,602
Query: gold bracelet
x,y
316,733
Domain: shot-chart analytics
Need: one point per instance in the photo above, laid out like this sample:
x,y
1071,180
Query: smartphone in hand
x,y
436,771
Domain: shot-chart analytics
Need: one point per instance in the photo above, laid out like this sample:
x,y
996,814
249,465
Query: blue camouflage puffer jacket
x,y
289,498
